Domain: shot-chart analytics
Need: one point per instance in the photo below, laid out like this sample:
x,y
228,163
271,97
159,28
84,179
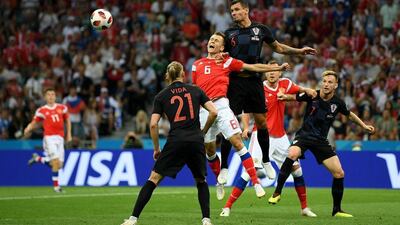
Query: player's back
x,y
181,104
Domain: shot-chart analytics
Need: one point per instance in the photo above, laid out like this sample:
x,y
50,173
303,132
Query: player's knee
x,y
210,150
338,173
237,142
293,155
55,165
155,178
297,172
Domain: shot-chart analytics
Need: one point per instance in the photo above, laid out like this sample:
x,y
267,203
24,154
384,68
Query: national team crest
x,y
59,111
333,108
256,30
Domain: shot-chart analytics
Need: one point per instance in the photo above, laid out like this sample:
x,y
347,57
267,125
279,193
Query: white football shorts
x,y
278,149
53,146
226,121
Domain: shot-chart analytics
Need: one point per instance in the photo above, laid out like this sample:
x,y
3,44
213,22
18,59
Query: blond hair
x,y
174,71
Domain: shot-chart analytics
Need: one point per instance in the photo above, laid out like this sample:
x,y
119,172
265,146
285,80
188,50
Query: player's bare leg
x,y
263,140
56,165
286,169
334,166
215,165
247,162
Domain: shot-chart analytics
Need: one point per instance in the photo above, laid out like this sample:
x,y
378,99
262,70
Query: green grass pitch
x,y
179,206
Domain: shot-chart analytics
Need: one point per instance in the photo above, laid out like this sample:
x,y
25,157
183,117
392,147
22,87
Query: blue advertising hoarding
x,y
132,168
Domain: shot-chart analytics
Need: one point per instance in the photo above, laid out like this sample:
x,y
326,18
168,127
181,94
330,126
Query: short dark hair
x,y
330,72
243,3
49,89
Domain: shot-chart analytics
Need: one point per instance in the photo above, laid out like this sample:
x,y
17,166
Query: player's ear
x,y
336,85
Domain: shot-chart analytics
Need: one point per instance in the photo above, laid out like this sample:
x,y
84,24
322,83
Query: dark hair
x,y
330,72
243,3
49,89
222,35
272,61
174,70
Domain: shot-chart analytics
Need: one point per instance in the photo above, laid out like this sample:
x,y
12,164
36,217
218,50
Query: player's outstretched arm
x,y
28,129
286,97
212,115
353,117
310,92
155,117
287,50
264,68
69,135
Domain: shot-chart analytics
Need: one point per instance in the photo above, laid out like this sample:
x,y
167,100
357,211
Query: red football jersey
x,y
276,108
53,119
213,78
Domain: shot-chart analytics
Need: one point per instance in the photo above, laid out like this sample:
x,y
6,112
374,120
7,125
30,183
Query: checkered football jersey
x,y
246,43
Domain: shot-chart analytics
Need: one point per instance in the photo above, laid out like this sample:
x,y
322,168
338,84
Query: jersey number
x,y
207,70
178,116
55,118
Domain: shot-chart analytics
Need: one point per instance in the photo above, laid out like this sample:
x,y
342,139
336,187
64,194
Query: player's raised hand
x,y
308,51
156,153
285,66
370,129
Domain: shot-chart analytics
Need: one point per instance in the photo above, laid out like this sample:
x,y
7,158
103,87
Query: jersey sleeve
x,y
194,73
39,116
343,109
302,97
157,106
234,64
268,36
65,112
203,97
292,88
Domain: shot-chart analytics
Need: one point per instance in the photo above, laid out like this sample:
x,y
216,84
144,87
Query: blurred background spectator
x,y
116,73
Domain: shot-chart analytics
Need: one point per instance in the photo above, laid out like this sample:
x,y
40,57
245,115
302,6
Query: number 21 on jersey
x,y
181,104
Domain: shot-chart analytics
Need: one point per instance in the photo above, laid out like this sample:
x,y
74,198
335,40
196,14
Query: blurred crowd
x,y
110,78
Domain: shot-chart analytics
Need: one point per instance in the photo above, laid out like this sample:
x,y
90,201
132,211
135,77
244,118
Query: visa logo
x,y
393,170
98,169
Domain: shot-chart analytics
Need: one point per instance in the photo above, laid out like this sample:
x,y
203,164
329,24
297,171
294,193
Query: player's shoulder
x,y
336,99
284,81
259,25
200,61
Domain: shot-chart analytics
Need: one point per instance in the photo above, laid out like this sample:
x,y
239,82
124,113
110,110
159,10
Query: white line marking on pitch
x,y
66,195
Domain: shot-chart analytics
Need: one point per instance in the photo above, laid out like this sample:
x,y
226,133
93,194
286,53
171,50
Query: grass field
x,y
179,206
